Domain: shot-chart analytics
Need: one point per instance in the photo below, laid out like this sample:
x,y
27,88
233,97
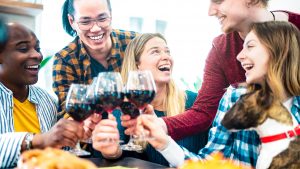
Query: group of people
x,y
257,46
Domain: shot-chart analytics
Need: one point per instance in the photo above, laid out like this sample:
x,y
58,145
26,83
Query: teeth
x,y
248,66
96,37
164,68
221,19
33,67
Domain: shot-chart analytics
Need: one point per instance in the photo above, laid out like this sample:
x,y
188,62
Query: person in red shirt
x,y
222,69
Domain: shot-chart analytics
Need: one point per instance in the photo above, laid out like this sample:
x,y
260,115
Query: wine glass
x,y
109,90
140,90
78,107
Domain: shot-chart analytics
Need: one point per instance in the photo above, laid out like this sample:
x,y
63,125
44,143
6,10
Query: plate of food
x,y
51,158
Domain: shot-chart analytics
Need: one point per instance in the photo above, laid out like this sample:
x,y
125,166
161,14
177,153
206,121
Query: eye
x,y
217,1
23,48
168,51
155,51
84,22
249,46
102,19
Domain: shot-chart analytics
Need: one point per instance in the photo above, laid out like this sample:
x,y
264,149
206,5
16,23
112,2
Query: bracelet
x,y
28,141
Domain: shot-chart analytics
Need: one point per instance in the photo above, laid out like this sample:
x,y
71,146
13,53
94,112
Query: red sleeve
x,y
293,17
202,113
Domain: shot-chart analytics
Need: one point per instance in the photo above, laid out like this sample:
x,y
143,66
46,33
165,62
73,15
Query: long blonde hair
x,y
282,40
174,103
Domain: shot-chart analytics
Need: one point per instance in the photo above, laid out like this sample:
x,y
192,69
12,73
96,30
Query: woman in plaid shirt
x,y
270,53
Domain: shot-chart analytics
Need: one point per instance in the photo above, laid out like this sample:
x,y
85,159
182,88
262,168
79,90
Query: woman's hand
x,y
89,125
149,125
130,124
63,133
106,137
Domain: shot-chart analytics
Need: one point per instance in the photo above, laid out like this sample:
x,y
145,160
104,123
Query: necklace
x,y
273,15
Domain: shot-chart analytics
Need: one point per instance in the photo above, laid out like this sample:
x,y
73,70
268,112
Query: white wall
x,y
189,32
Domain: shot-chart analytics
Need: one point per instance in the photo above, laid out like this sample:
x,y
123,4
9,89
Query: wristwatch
x,y
28,141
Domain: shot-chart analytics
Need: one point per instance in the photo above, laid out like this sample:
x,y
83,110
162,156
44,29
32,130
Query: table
x,y
126,162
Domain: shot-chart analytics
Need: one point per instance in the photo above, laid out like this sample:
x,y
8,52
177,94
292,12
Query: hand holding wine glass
x,y
104,130
78,107
64,133
152,128
140,90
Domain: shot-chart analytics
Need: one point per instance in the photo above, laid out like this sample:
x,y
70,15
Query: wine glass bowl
x,y
109,92
79,111
130,109
77,106
140,98
140,88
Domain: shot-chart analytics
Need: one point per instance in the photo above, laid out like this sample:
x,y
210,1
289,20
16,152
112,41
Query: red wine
x,y
96,107
79,111
140,98
130,109
110,100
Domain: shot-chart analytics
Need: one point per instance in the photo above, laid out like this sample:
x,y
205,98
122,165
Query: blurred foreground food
x,y
217,162
51,158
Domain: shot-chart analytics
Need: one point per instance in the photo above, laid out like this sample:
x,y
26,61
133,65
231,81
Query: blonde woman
x,y
150,52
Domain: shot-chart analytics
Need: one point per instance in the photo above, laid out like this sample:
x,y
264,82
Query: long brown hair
x,y
174,103
282,40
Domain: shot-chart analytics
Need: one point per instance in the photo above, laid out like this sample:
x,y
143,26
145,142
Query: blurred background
x,y
185,24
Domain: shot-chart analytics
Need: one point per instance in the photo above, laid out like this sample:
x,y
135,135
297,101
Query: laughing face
x,y
232,14
254,59
156,58
21,57
96,13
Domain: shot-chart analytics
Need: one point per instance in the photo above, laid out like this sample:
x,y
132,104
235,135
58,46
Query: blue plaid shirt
x,y
242,146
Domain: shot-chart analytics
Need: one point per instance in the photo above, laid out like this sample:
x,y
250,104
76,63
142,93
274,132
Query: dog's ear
x,y
265,97
262,117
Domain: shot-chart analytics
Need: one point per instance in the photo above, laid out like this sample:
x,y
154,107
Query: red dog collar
x,y
287,134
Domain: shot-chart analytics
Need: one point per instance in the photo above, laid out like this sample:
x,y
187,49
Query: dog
x,y
260,111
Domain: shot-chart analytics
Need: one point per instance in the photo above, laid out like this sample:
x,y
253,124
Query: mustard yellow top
x,y
25,117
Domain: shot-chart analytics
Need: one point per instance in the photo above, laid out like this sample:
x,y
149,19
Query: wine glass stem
x,y
140,127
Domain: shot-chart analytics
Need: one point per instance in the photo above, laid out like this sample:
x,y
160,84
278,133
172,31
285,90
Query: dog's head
x,y
253,108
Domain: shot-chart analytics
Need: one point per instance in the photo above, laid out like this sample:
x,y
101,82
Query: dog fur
x,y
259,110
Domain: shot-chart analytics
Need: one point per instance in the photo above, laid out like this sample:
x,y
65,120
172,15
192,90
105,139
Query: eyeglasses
x,y
89,23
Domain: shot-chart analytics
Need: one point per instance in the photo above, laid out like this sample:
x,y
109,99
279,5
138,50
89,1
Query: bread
x,y
51,158
216,162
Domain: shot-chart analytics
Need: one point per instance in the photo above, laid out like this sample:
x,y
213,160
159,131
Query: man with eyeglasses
x,y
96,47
